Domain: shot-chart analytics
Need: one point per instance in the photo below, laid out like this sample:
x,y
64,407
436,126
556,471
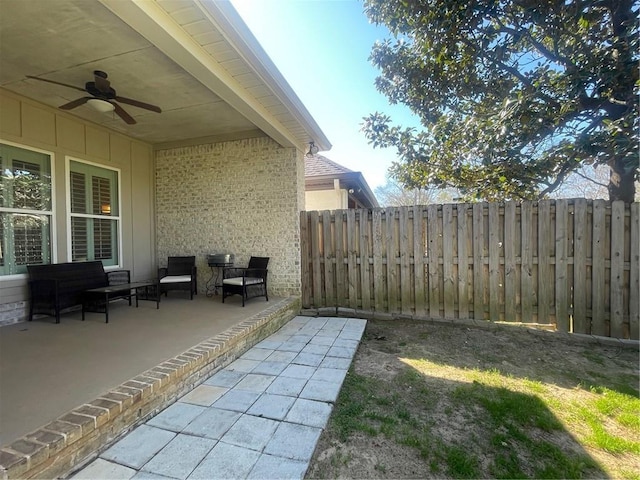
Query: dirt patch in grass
x,y
425,400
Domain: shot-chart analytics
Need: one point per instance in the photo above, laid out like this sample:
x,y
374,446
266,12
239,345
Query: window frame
x,y
70,216
53,241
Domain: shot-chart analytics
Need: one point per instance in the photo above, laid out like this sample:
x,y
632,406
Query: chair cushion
x,y
238,281
176,279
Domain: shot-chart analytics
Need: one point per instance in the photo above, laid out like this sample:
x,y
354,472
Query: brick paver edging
x,y
78,436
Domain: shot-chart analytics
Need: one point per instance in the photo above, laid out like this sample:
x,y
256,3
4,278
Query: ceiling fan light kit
x,y
100,105
103,97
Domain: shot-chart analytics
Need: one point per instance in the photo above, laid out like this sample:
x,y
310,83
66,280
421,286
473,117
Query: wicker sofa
x,y
58,286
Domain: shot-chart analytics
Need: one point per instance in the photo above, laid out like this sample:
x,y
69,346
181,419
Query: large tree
x,y
513,95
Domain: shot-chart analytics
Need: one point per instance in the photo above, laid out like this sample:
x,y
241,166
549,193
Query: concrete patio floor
x,y
47,369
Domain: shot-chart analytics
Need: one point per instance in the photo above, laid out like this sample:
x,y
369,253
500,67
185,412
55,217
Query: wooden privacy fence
x,y
572,264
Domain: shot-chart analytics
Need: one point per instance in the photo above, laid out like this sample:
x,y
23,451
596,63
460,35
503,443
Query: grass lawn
x,y
428,400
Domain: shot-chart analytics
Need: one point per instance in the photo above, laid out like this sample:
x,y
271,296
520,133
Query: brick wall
x,y
241,197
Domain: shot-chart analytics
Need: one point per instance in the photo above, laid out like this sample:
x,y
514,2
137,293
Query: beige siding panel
x,y
70,134
38,124
143,252
10,116
14,291
120,149
97,143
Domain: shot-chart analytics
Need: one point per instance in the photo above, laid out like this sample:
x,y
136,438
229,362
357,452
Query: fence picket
x,y
561,273
494,262
448,264
527,297
617,269
405,257
352,258
418,261
463,263
365,269
305,258
329,271
392,276
545,274
378,272
581,323
598,257
433,233
634,272
510,266
478,261
341,283
316,248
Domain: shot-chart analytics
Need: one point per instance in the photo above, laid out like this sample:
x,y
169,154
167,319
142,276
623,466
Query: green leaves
x,y
513,96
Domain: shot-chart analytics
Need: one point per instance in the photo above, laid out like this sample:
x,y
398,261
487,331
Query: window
x,y
25,209
95,213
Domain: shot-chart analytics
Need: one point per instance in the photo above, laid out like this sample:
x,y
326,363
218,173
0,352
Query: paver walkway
x,y
260,417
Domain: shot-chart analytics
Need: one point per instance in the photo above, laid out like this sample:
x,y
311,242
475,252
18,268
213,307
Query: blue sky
x,y
322,47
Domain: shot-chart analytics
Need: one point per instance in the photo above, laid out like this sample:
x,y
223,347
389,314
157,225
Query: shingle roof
x,y
318,165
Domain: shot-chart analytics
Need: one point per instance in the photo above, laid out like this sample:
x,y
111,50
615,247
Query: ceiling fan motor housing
x,y
91,88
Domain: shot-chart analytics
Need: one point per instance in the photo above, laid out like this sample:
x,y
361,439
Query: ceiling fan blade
x,y
136,103
55,83
122,114
75,103
101,82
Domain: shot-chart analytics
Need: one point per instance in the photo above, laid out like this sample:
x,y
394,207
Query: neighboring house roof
x,y
320,172
196,60
315,165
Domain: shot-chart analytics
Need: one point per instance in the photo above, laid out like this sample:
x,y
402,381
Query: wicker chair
x,y
179,274
247,282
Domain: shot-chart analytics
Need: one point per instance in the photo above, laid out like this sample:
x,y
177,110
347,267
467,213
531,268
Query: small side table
x,y
214,282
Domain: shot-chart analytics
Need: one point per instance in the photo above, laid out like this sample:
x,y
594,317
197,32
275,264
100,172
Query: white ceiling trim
x,y
152,22
229,23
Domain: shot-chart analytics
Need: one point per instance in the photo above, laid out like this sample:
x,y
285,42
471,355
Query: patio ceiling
x,y
195,59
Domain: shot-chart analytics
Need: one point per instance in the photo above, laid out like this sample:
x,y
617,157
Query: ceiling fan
x,y
102,93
